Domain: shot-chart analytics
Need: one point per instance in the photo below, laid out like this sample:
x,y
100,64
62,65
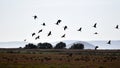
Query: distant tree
x,y
44,45
60,45
30,46
39,45
96,47
77,46
48,45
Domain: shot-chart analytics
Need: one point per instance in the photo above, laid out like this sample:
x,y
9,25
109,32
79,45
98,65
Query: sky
x,y
17,23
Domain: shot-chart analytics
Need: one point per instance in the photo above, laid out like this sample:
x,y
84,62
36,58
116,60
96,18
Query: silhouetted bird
x,y
38,37
63,36
95,25
117,27
33,34
109,42
80,29
24,39
95,33
40,31
43,24
49,33
35,17
65,27
58,22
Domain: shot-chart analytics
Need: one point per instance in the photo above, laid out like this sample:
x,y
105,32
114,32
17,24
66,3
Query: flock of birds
x,y
65,27
50,33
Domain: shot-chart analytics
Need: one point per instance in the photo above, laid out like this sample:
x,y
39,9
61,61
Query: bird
x,y
35,17
49,33
65,27
40,31
24,39
117,27
95,25
38,37
43,24
95,33
63,36
33,34
109,42
80,29
58,22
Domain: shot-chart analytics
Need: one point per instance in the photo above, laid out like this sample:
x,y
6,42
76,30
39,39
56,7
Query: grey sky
x,y
17,23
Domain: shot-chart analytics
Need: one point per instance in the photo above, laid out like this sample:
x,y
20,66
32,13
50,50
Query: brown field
x,y
51,58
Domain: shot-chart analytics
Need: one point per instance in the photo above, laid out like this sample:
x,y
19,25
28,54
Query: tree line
x,y
60,45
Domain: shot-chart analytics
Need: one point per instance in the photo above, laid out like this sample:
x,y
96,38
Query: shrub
x,y
60,45
30,46
77,46
44,46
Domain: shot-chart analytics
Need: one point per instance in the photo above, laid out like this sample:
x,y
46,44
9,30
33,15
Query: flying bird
x,y
49,33
65,27
80,29
35,17
24,39
117,27
43,24
38,37
58,22
33,34
95,33
40,31
63,36
95,25
109,42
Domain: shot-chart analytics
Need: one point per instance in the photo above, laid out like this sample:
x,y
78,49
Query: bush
x,y
44,46
77,46
60,45
30,46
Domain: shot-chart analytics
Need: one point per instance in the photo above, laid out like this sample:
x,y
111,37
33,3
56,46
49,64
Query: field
x,y
59,58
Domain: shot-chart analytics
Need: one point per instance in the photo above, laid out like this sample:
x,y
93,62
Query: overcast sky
x,y
17,23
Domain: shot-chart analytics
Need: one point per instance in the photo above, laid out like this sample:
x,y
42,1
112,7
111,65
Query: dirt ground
x,y
15,58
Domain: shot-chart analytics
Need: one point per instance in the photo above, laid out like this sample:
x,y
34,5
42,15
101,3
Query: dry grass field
x,y
52,58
